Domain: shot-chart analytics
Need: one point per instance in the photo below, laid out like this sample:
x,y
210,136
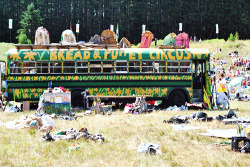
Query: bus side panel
x,y
31,87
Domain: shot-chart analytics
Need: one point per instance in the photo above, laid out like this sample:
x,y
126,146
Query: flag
x,y
70,27
117,33
77,28
206,100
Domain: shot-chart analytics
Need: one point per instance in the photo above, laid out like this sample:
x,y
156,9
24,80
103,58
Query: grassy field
x,y
123,134
4,47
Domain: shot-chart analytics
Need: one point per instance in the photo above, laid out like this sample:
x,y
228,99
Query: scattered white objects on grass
x,y
175,108
182,127
222,133
2,124
149,148
236,120
88,112
41,104
46,119
15,125
11,109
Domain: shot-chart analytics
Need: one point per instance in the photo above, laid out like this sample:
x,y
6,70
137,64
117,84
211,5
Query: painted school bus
x,y
174,76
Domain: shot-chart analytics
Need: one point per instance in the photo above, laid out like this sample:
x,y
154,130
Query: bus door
x,y
198,79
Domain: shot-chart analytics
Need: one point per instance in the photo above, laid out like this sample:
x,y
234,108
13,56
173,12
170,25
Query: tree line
x,y
161,17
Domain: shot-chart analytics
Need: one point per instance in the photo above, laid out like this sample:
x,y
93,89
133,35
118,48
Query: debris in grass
x,y
218,144
222,133
175,108
199,116
12,109
73,134
149,148
182,127
73,147
37,122
47,137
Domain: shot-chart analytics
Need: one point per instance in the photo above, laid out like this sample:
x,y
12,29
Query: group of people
x,y
225,91
239,67
195,39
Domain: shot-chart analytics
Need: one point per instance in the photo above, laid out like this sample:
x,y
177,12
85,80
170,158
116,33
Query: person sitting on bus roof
x,y
222,99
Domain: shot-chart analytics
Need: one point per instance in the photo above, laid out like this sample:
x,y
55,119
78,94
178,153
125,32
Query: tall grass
x,y
232,45
214,40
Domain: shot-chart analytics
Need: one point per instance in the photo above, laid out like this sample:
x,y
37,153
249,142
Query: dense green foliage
x,y
23,39
30,20
236,36
231,38
160,16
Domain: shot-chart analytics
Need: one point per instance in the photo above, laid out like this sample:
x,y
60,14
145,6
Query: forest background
x,y
161,17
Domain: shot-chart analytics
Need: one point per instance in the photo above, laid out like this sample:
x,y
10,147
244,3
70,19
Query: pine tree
x,y
236,36
30,21
231,38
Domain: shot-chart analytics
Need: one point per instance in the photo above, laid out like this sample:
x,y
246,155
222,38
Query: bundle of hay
x,y
182,39
96,39
42,36
169,39
68,37
108,37
124,43
146,39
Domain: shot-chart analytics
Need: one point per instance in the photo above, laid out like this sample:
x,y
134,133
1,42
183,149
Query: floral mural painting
x,y
101,78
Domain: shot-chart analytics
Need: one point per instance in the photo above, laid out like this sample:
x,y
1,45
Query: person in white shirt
x,y
222,99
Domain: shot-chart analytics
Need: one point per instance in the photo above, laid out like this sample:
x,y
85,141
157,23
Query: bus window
x,y
16,67
42,67
197,74
173,66
29,67
134,66
82,67
185,66
95,66
160,66
108,66
69,67
121,66
147,66
55,67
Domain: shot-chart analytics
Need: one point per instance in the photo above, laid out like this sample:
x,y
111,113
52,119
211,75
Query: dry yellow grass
x,y
123,133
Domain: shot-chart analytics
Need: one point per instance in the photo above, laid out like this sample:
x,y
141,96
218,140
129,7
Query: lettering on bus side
x,y
139,54
94,54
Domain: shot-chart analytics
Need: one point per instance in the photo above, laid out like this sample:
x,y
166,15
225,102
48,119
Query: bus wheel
x,y
76,99
176,98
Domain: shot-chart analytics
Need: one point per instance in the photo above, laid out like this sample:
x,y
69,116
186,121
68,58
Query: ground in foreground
x,y
123,134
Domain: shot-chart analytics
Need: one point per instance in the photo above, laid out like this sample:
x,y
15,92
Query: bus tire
x,y
177,98
76,99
